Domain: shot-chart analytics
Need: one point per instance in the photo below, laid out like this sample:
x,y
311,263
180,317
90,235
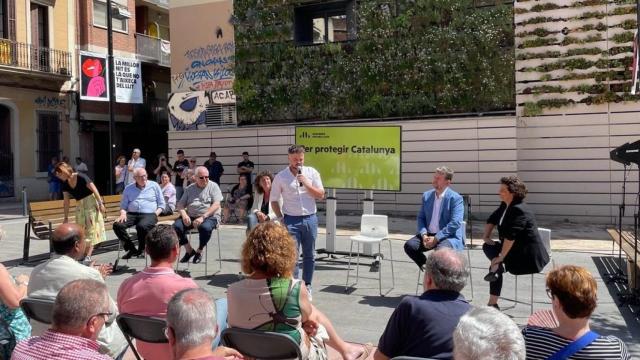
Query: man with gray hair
x,y
140,206
439,219
192,326
484,333
80,311
136,162
422,326
199,208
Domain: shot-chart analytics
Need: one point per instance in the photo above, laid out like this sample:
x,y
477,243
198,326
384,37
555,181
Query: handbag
x,y
575,346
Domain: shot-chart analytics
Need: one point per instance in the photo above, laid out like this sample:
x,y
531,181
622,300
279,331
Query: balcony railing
x,y
30,57
153,49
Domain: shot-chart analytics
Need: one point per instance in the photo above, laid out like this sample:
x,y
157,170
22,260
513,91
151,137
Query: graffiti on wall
x,y
207,67
188,110
50,102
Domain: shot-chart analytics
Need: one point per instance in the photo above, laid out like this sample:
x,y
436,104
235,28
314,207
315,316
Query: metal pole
x,y
112,95
25,210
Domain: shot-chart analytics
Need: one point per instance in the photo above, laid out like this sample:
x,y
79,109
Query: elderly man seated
x,y
140,206
484,333
192,327
199,208
81,309
48,278
423,326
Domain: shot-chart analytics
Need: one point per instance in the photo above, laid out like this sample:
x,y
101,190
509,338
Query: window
x,y
4,20
324,23
119,15
48,138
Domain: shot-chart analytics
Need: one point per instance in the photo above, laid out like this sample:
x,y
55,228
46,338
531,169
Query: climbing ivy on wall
x,y
409,58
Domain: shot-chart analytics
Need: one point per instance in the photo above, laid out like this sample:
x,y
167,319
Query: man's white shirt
x,y
297,201
434,225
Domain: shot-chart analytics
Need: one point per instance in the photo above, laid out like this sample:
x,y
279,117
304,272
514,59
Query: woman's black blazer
x,y
528,254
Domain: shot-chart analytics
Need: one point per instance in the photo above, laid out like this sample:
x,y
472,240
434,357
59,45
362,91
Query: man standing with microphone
x,y
300,186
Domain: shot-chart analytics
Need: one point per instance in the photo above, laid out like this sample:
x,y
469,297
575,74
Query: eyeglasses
x,y
203,177
105,315
166,330
141,176
549,293
192,161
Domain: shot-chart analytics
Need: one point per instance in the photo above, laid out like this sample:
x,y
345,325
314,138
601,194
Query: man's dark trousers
x,y
142,222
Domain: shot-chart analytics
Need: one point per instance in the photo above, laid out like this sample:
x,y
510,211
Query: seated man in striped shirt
x,y
79,313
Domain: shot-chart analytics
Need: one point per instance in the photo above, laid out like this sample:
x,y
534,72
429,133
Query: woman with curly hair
x,y
573,292
261,210
519,247
270,299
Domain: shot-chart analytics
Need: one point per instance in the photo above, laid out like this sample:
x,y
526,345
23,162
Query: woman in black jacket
x,y
520,249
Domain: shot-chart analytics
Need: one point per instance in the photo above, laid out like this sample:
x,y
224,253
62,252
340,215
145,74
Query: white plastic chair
x,y
545,236
373,230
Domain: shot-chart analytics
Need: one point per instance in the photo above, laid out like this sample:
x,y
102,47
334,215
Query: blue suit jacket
x,y
451,216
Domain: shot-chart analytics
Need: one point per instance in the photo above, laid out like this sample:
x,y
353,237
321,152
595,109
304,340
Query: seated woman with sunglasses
x,y
573,292
270,299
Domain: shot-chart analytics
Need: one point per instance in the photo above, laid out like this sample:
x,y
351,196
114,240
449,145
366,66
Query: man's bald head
x,y
65,237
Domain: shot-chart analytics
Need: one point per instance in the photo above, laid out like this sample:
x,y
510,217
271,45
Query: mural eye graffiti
x,y
188,110
218,32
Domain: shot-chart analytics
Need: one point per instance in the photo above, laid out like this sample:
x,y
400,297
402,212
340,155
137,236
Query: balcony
x,y
29,57
155,50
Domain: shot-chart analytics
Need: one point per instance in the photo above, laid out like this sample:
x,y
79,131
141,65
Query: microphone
x,y
300,172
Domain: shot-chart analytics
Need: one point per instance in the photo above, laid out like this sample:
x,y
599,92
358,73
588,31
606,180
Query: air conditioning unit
x,y
121,13
218,115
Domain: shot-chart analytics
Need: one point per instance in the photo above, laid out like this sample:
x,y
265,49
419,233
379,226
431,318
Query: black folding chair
x,y
38,309
259,344
143,328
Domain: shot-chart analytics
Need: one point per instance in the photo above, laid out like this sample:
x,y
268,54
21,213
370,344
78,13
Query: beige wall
x,y
564,160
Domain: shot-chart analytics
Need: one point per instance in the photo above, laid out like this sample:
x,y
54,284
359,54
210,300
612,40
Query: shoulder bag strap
x,y
575,346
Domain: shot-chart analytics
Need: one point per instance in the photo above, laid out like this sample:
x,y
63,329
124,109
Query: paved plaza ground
x,y
360,314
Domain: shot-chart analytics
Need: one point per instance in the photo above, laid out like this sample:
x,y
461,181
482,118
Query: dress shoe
x,y
197,257
491,276
187,256
129,254
140,254
494,306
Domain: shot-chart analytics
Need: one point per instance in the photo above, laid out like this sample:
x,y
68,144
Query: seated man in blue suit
x,y
439,219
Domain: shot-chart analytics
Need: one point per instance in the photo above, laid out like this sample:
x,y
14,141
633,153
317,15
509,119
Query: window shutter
x,y
11,17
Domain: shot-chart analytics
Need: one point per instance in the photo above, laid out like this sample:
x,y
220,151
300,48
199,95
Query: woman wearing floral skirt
x,y
89,205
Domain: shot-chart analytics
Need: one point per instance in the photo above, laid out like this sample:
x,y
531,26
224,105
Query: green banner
x,y
354,157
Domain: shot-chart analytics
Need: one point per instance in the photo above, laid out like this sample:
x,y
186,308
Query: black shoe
x,y
491,276
187,256
129,254
197,257
494,306
140,254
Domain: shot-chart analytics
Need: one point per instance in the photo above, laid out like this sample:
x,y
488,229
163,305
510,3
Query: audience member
x,y
484,333
14,325
80,312
423,326
270,299
140,206
520,247
48,278
199,209
261,210
215,168
238,200
178,168
168,193
439,219
148,292
188,174
120,172
81,167
245,167
573,292
53,181
90,208
136,162
299,186
192,327
163,167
